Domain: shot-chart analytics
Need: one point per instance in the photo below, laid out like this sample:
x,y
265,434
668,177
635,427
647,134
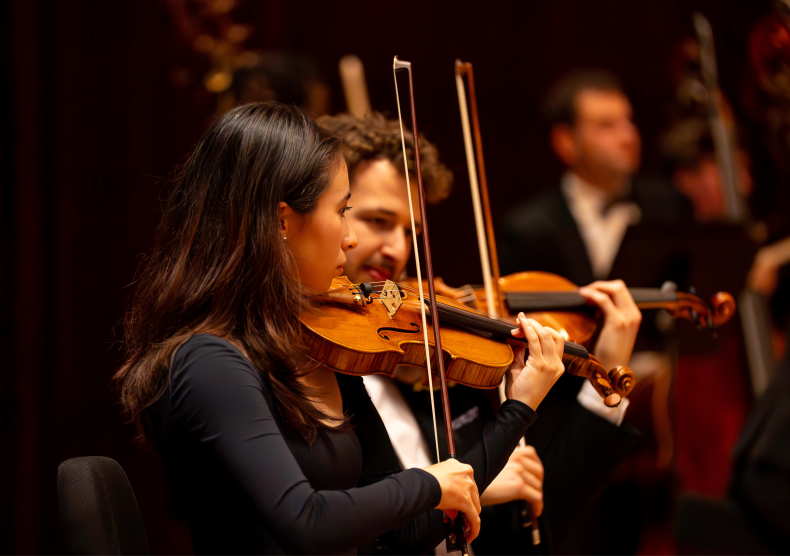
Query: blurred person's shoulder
x,y
660,202
541,211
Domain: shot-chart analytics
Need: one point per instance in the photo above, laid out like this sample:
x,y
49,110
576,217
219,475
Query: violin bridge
x,y
390,298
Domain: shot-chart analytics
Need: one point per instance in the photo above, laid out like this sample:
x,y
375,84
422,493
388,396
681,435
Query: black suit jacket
x,y
579,451
755,516
542,234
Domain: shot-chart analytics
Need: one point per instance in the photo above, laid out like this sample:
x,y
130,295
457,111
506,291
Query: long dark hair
x,y
219,264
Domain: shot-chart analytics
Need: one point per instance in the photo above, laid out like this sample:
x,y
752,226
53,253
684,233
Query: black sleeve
x,y
488,456
760,482
580,451
379,461
766,501
220,401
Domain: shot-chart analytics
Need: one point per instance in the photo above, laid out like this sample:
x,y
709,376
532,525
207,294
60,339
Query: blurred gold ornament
x,y
218,80
204,43
248,59
239,33
218,7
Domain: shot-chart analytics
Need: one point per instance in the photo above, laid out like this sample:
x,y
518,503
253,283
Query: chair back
x,y
98,508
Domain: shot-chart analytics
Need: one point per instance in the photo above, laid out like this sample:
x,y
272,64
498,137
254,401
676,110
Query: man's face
x,y
605,141
380,218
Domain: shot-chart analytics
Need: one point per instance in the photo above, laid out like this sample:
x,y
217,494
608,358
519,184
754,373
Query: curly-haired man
x,y
379,198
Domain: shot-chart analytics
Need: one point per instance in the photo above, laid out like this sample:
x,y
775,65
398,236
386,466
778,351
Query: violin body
x,y
354,339
359,332
580,325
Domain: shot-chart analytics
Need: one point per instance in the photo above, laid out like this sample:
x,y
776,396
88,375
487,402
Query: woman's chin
x,y
326,286
323,285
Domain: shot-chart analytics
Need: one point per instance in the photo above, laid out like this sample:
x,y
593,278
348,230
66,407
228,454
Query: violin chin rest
x,y
612,400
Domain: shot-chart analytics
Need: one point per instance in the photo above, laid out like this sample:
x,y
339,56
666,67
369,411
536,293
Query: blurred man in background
x,y
688,147
575,230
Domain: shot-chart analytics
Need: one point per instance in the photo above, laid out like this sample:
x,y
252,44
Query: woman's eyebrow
x,y
378,211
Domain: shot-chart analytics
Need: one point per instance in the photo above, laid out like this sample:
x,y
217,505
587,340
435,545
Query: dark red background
x,y
90,125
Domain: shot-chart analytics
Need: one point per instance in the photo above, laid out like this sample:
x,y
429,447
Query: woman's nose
x,y
350,237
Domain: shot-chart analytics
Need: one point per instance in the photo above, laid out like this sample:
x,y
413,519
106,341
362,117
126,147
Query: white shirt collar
x,y
601,232
579,193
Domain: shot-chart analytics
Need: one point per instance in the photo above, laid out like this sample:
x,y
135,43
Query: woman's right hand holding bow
x,y
459,493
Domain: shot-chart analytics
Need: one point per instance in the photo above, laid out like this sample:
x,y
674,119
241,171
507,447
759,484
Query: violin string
x,y
476,312
479,314
558,295
470,309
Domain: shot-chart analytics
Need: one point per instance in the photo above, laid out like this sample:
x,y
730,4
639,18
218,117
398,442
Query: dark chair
x,y
98,508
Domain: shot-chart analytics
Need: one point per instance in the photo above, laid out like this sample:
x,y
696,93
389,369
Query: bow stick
x,y
485,227
456,541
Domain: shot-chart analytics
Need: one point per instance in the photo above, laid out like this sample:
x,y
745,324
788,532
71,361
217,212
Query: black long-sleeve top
x,y
247,485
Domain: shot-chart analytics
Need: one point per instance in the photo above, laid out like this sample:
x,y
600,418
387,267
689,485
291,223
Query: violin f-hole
x,y
416,330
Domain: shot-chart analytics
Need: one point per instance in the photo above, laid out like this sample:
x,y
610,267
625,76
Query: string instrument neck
x,y
493,328
645,298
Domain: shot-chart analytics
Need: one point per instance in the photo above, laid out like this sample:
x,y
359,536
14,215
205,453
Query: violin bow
x,y
486,241
456,540
484,225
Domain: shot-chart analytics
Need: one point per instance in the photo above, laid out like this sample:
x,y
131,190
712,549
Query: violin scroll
x,y
695,309
623,380
612,388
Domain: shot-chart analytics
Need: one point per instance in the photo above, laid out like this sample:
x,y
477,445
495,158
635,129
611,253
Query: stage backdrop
x,y
95,112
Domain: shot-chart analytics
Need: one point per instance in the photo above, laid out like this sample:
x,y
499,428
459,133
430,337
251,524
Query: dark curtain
x,y
95,112
89,126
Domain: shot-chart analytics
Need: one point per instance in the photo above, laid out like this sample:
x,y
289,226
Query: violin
x,y
554,301
371,328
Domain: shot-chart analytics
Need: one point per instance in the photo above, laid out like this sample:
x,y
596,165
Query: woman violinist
x,y
266,451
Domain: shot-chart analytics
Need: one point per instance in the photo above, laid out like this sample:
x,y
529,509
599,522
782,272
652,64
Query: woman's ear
x,y
287,219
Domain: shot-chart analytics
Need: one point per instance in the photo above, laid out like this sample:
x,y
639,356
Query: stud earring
x,y
285,238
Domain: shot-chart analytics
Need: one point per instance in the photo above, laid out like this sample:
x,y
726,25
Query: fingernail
x,y
522,316
515,331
